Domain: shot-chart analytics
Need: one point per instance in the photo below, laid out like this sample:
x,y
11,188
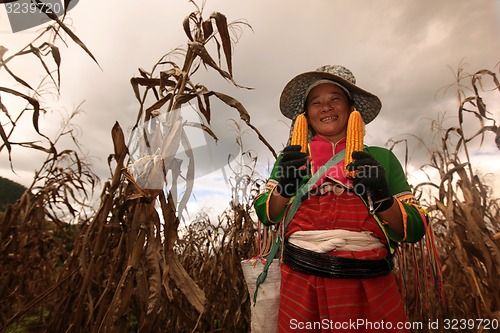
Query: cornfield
x,y
131,265
465,216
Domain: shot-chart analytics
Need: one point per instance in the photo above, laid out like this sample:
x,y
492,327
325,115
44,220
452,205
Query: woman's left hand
x,y
371,180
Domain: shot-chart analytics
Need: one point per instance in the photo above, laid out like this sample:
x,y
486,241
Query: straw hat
x,y
295,92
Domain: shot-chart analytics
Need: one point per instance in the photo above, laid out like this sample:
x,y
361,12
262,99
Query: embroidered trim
x,y
423,214
271,190
407,197
410,199
271,184
405,218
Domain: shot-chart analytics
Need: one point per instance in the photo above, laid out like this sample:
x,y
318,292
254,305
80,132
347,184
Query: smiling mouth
x,y
327,119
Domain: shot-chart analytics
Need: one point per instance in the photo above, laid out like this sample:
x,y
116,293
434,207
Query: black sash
x,y
324,265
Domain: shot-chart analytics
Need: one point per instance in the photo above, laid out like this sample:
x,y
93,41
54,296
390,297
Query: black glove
x,y
371,181
288,171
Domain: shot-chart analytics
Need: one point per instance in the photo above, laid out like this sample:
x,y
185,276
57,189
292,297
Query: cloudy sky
x,y
406,52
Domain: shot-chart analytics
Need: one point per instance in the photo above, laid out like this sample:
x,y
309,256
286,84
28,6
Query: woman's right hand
x,y
292,168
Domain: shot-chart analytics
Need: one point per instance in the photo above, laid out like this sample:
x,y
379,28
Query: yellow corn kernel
x,y
354,139
299,134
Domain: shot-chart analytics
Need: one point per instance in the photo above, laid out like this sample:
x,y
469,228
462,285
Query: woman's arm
x,y
269,205
277,204
406,219
283,183
394,219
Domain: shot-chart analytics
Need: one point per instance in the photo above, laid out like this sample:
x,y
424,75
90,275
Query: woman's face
x,y
328,110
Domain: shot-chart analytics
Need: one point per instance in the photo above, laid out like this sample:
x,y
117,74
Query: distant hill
x,y
10,191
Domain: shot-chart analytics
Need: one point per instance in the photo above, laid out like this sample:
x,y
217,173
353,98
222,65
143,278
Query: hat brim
x,y
293,95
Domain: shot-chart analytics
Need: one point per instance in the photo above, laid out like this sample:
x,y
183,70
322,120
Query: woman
x,y
337,256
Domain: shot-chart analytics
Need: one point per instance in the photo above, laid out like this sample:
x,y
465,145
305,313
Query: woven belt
x,y
324,265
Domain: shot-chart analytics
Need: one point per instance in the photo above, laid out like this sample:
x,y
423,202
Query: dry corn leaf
x,y
186,24
153,259
182,98
232,102
3,50
207,29
200,50
185,283
222,27
56,55
17,78
118,143
140,81
37,52
5,140
66,29
157,105
203,127
190,174
30,100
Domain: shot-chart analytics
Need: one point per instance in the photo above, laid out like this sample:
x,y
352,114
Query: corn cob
x,y
299,134
354,139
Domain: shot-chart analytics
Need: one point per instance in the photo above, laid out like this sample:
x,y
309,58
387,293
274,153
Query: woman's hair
x,y
350,102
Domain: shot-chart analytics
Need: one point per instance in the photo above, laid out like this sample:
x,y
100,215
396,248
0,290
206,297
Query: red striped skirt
x,y
314,304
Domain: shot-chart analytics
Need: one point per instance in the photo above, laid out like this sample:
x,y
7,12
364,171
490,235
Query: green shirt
x,y
414,217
